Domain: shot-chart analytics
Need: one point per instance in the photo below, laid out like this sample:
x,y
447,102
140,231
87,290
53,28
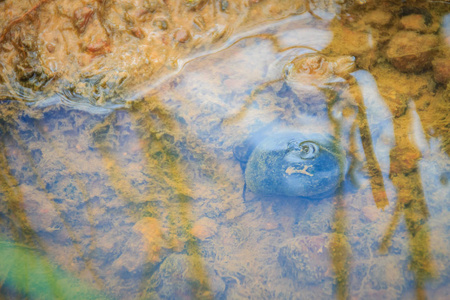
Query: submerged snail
x,y
295,164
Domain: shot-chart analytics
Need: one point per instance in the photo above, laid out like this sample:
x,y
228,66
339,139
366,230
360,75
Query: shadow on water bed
x,y
306,160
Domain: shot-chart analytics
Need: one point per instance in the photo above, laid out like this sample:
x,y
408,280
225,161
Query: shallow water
x,y
145,196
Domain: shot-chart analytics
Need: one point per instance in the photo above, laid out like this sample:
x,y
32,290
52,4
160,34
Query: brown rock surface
x,y
441,68
153,234
378,17
204,228
412,52
414,22
182,35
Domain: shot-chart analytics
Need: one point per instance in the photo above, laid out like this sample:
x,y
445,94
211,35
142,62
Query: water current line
x,y
148,90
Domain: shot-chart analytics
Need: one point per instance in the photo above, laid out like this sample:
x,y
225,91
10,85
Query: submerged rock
x,y
204,228
412,52
441,68
182,276
415,22
378,17
306,260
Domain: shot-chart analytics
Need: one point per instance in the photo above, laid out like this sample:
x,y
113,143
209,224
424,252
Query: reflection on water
x,y
305,160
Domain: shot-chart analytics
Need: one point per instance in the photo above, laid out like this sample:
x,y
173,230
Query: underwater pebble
x,y
138,32
441,68
305,259
51,47
410,156
98,47
412,52
378,17
152,231
414,22
204,228
133,256
179,278
357,43
145,246
199,21
223,5
182,35
161,23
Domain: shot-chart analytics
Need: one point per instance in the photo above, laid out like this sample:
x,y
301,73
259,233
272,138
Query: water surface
x,y
145,196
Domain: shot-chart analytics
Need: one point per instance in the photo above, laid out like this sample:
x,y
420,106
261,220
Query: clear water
x,y
149,197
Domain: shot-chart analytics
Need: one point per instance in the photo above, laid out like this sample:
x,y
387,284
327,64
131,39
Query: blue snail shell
x,y
295,164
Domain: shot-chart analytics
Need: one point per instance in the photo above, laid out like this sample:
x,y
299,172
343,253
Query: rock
x,y
412,52
409,155
182,35
138,32
95,39
153,233
51,47
145,246
317,219
182,276
353,42
98,46
204,228
306,259
378,17
441,68
133,258
414,22
223,5
161,23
